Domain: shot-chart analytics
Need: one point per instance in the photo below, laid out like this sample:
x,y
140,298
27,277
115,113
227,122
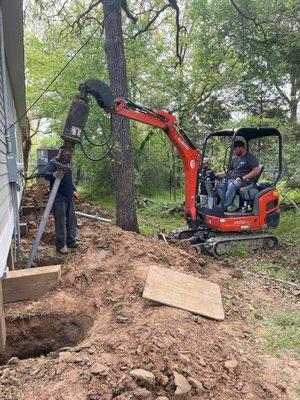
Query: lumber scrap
x,y
187,292
25,284
2,322
23,229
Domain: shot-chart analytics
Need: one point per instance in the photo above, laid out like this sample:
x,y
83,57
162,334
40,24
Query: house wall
x,y
7,117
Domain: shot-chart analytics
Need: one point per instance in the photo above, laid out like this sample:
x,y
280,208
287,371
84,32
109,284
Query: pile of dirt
x,y
121,346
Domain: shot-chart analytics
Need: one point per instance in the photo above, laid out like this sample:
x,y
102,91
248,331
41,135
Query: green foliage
x,y
235,70
289,227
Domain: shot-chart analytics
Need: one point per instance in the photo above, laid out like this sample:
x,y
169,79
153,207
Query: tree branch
x,y
127,12
151,21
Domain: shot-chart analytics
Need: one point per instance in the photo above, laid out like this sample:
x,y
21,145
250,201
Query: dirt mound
x,y
88,337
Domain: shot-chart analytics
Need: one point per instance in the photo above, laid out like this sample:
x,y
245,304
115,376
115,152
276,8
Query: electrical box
x,y
44,155
12,167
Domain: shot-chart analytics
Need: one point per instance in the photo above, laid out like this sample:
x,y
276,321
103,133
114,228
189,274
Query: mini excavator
x,y
209,227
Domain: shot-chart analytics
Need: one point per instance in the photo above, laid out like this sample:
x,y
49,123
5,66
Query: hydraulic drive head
x,y
75,124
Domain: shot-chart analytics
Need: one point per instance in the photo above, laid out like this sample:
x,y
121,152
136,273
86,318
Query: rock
x,y
183,388
143,377
237,273
142,393
121,319
184,359
209,384
161,398
231,365
13,361
92,350
99,369
164,380
195,384
6,373
282,387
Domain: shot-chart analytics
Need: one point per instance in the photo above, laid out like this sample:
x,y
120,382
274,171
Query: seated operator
x,y
243,169
206,174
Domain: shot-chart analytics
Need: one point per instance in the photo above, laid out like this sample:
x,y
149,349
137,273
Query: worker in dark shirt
x,y
64,210
243,169
207,174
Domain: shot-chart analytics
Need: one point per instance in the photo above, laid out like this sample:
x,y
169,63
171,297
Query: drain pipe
x,y
61,169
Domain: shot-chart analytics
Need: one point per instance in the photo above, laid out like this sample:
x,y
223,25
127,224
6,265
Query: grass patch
x,y
277,271
283,334
289,227
152,219
297,389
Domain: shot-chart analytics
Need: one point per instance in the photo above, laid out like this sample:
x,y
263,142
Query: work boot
x,y
63,250
232,209
73,245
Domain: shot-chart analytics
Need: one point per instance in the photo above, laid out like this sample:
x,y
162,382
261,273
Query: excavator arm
x,y
158,118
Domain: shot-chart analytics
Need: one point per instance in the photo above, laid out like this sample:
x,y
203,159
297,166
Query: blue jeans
x,y
65,223
230,193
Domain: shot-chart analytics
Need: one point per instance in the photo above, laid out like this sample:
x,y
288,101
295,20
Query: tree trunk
x,y
126,217
293,101
26,151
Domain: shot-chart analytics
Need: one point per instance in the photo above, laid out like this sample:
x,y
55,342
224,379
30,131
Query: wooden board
x,y
184,291
2,322
25,284
23,229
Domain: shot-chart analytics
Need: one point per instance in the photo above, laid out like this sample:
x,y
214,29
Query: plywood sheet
x,y
184,291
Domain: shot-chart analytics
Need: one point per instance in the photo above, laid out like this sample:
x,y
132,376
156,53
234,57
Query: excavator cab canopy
x,y
249,135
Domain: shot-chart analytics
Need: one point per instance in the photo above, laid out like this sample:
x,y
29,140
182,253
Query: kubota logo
x,y
192,164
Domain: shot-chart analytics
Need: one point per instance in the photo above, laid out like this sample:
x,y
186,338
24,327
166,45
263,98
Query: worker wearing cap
x,y
207,174
243,169
64,209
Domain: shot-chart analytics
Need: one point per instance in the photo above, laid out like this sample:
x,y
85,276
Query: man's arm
x,y
252,174
49,171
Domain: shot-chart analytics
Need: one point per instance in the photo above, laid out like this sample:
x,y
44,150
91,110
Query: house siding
x,y
7,117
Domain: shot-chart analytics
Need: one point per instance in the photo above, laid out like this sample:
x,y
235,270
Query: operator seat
x,y
248,192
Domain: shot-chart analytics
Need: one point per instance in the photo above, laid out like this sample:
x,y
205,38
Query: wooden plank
x,y
23,229
31,283
10,258
25,210
184,291
2,322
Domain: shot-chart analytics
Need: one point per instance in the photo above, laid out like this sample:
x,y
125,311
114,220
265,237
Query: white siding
x,y
7,117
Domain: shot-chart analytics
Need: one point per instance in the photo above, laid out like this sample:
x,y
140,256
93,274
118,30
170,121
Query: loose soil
x,y
95,327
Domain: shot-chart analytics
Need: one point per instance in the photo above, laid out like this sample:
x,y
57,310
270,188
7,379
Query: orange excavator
x,y
209,227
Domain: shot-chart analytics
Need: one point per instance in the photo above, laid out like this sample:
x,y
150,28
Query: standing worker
x,y
64,209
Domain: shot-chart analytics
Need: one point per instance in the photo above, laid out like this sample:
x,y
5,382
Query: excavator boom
x,y
158,118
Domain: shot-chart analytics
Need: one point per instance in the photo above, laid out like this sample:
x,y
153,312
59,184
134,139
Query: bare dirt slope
x,y
87,335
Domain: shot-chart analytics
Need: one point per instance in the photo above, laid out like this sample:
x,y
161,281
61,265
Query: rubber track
x,y
210,246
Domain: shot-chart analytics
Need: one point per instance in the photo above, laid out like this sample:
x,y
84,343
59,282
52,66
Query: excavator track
x,y
228,244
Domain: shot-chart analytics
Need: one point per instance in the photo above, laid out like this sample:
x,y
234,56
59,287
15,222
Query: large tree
x,y
123,157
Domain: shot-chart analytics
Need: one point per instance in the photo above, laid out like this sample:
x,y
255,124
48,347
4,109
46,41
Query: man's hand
x,y
220,175
55,174
76,196
237,180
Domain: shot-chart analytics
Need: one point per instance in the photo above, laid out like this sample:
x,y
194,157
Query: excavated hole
x,y
33,335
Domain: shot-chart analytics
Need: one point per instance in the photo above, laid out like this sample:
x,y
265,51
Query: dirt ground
x,y
81,340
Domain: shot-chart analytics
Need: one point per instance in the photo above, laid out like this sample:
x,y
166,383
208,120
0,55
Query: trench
x,y
33,335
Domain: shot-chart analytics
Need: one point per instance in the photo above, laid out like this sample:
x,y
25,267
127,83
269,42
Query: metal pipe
x,y
44,220
110,221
